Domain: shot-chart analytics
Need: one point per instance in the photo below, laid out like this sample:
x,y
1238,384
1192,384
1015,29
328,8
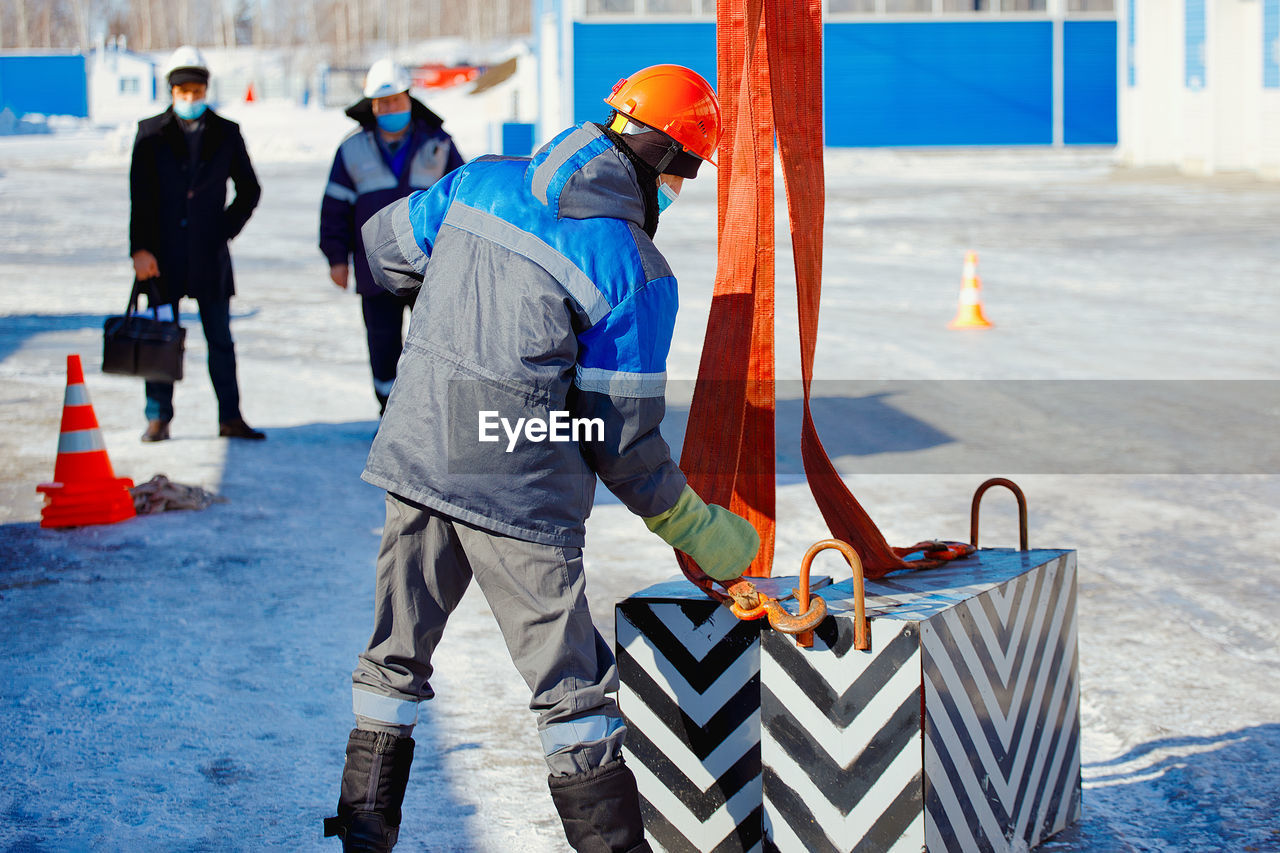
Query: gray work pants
x,y
537,593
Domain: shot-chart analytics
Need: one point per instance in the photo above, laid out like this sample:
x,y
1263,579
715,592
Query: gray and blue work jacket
x,y
539,296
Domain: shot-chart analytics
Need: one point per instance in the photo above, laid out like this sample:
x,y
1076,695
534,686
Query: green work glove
x,y
723,543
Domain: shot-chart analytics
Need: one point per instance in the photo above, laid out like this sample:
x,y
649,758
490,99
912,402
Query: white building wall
x,y
1269,135
1226,121
121,83
1152,110
1237,93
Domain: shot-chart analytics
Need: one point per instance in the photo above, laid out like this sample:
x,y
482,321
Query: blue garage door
x,y
950,83
1089,83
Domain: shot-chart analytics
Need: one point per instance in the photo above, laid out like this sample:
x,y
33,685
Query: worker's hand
x,y
721,542
338,272
144,265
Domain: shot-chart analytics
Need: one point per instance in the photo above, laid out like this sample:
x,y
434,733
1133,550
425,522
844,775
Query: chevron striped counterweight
x,y
958,731
690,692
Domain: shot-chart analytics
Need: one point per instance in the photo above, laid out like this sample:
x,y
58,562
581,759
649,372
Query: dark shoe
x,y
156,431
600,809
239,429
373,782
382,402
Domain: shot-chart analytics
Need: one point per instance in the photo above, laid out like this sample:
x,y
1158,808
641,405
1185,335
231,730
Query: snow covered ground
x,y
180,682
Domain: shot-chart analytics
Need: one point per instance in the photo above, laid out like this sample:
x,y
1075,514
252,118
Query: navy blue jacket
x,y
361,182
181,215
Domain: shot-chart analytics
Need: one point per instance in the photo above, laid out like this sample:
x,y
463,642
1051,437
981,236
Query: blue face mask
x,y
394,122
190,110
666,197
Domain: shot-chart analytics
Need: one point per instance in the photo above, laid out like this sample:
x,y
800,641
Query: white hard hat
x,y
187,64
386,78
187,57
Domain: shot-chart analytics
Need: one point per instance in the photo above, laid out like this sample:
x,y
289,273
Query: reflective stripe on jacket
x,y
361,183
538,293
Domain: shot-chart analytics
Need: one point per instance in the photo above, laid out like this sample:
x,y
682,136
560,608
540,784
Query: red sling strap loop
x,y
795,46
733,403
766,47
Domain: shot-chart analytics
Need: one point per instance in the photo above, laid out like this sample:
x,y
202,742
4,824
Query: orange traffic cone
x,y
969,315
87,490
248,94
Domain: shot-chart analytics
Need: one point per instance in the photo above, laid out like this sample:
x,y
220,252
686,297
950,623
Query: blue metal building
x,y
896,72
49,83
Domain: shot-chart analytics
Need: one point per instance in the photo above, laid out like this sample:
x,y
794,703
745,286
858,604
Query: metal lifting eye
x,y
1022,510
861,628
749,603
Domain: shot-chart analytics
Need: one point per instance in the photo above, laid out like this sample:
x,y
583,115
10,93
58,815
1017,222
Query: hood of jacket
x,y
362,111
581,174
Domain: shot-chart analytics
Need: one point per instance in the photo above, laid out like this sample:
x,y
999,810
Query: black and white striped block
x,y
958,730
690,692
841,740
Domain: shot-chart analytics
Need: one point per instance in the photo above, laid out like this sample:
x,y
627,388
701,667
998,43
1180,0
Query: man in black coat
x,y
180,223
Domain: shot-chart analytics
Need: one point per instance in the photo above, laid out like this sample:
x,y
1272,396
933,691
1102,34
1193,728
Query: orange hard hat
x,y
675,100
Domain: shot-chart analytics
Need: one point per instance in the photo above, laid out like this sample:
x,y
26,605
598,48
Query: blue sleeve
x,y
621,380
338,214
427,209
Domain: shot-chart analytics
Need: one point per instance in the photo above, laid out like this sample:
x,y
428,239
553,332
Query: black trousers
x,y
215,317
384,324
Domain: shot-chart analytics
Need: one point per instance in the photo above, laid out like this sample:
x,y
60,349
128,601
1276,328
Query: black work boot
x,y
600,810
373,782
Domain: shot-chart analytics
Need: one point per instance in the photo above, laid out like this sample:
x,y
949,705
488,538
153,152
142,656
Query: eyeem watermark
x,y
557,427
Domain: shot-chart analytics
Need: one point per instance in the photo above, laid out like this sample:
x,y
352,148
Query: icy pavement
x,y
179,682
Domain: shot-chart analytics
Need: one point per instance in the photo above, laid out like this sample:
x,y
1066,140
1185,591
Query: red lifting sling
x,y
769,71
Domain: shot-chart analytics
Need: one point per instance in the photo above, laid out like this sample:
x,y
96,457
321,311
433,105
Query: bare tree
x,y
160,13
24,30
313,25
228,23
348,29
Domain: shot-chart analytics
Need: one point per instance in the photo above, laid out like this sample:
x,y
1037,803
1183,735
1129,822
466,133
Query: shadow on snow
x,y
15,329
1216,792
181,681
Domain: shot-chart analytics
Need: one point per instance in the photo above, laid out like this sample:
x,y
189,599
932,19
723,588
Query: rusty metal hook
x,y
1022,509
748,603
861,631
810,615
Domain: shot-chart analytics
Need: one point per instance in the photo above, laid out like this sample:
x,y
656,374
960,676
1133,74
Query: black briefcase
x,y
141,344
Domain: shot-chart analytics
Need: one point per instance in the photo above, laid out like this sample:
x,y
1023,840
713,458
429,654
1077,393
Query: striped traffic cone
x,y
969,315
86,489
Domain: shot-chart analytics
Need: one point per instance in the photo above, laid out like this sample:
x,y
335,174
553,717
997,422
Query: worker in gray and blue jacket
x,y
400,147
534,364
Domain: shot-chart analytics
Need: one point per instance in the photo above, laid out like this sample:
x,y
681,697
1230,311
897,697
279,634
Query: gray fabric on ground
x,y
538,596
160,494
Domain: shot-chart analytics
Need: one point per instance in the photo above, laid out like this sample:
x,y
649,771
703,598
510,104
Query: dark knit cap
x,y
188,74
